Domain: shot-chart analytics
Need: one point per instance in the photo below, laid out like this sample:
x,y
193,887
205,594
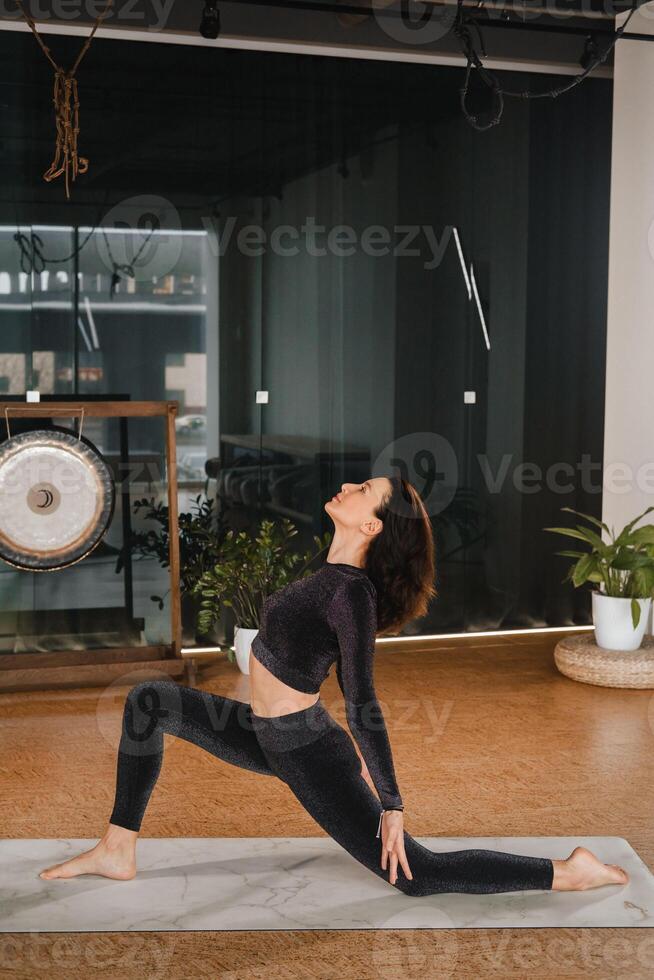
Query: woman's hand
x,y
393,844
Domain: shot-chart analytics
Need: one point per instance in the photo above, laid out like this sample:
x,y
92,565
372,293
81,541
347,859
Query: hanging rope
x,y
462,31
124,269
66,102
32,258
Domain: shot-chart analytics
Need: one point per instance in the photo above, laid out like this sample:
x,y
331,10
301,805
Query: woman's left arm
x,y
352,615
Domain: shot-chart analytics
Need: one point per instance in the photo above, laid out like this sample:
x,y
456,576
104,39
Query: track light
x,y
210,23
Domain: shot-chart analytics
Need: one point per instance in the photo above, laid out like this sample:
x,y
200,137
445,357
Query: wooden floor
x,y
488,738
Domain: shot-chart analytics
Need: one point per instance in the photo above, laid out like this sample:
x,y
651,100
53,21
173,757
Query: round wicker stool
x,y
580,658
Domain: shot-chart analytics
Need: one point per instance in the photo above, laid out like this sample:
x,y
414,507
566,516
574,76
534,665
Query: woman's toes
x,y
584,870
56,871
80,864
53,871
99,860
620,872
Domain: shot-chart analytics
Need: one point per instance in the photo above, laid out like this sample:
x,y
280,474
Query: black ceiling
x,y
205,124
201,123
352,21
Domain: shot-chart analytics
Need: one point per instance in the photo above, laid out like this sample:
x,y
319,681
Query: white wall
x,y
629,410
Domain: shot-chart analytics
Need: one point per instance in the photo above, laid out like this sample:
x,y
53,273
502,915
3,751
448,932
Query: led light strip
x,y
168,232
462,261
479,309
438,636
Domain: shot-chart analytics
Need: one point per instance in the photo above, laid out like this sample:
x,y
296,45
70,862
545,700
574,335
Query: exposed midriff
x,y
270,697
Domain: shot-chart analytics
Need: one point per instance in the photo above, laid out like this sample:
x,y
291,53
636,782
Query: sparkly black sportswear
x,y
325,617
307,749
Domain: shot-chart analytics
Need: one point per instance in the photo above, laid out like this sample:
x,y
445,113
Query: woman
x,y
378,575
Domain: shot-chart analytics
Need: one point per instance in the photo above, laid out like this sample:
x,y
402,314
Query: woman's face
x,y
356,502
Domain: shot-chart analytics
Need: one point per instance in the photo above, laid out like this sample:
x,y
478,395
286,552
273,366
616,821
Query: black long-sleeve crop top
x,y
331,615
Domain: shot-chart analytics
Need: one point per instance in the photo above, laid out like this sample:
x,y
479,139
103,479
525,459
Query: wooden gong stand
x,y
83,668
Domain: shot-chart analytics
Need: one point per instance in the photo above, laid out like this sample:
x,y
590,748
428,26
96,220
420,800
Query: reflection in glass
x,y
357,274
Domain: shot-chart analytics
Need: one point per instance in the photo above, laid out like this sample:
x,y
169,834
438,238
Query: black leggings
x,y
316,758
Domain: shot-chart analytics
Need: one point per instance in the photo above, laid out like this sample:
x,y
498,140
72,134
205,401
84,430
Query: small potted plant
x,y
201,531
249,569
623,571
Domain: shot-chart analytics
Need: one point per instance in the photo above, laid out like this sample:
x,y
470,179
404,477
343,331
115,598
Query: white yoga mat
x,y
252,883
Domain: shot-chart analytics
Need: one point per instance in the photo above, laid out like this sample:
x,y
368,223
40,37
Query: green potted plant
x,y
247,570
623,571
201,532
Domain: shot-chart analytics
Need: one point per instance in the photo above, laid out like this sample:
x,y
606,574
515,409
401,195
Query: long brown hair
x,y
400,560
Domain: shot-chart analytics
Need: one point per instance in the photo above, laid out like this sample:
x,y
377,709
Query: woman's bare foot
x,y
582,870
114,856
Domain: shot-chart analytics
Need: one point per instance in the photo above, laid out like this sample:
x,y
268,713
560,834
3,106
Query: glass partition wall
x,y
337,277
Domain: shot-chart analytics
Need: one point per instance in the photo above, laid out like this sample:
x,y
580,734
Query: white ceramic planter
x,y
242,643
613,624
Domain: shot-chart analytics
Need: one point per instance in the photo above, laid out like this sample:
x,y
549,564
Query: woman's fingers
x,y
393,847
393,874
403,860
389,845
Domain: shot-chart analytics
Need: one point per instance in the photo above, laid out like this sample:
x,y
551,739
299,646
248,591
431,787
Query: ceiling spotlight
x,y
591,52
210,23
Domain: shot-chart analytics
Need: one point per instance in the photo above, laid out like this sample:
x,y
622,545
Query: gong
x,y
57,498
